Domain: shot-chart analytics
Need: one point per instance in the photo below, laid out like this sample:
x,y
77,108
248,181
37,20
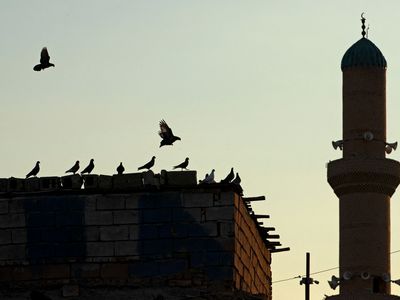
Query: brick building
x,y
133,236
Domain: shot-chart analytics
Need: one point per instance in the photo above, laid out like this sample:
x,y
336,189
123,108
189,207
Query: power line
x,y
318,272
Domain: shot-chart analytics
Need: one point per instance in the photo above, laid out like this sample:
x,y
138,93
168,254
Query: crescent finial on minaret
x,y
363,25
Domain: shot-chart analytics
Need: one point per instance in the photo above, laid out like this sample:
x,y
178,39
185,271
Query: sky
x,y
254,85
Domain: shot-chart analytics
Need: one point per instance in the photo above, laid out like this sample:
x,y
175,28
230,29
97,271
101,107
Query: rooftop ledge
x,y
89,184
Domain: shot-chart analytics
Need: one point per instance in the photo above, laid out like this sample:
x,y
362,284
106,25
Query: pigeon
x,y
166,134
149,165
237,179
209,178
183,165
229,177
34,171
89,168
201,181
120,169
44,61
74,168
35,295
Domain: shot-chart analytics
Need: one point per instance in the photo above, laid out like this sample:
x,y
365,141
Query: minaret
x,y
363,179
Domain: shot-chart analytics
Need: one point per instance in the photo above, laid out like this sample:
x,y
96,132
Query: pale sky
x,y
254,85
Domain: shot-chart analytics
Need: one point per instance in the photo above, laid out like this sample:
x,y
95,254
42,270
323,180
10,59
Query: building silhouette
x,y
364,179
132,236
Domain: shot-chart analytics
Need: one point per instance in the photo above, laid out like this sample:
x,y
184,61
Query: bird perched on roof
x,y
183,165
44,61
89,168
34,171
209,178
229,177
120,169
35,295
74,168
149,165
237,179
168,138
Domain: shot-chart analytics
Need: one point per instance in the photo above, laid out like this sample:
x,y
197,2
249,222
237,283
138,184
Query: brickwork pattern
x,y
252,260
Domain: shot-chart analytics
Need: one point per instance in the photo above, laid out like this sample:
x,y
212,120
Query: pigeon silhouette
x,y
149,165
74,168
89,168
34,171
237,179
168,138
229,177
201,181
35,295
44,61
209,178
120,169
183,165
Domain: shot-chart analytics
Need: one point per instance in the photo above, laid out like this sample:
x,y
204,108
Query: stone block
x,y
99,218
114,233
198,199
220,213
3,185
100,249
5,236
173,266
90,182
188,215
126,217
92,233
72,182
111,202
162,215
143,269
149,179
156,247
205,229
179,178
127,181
219,273
85,270
60,271
12,221
127,248
224,199
105,182
50,183
32,184
226,229
3,206
70,290
12,252
114,270
16,184
18,236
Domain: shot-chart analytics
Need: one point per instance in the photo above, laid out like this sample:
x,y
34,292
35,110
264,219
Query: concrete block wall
x,y
176,237
252,259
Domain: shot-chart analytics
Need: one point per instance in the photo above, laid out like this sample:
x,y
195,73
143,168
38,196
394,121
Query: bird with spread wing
x,y
168,138
44,61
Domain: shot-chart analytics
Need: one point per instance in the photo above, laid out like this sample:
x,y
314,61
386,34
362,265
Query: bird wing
x,y
165,131
44,56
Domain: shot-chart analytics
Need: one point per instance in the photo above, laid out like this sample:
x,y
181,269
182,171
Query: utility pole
x,y
307,280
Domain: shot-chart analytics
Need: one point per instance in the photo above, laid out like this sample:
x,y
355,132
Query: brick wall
x,y
252,259
186,236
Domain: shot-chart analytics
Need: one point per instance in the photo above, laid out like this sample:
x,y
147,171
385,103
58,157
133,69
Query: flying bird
x,y
74,168
183,165
44,61
120,169
229,177
209,178
237,179
34,171
168,138
89,168
149,165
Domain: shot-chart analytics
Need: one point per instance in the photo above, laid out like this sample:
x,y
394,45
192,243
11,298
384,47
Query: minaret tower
x,y
363,179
